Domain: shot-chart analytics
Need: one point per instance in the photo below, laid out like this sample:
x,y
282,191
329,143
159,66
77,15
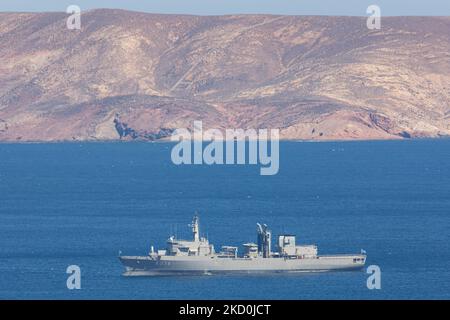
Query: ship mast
x,y
195,228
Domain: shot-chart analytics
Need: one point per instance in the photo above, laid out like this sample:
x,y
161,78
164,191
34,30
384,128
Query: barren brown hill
x,y
135,75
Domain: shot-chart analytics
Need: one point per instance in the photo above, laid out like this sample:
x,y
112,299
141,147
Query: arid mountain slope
x,y
136,75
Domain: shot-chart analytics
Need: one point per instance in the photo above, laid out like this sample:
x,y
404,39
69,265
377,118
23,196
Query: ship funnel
x,y
264,240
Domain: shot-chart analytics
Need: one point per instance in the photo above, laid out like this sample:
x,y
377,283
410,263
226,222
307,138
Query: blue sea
x,y
81,203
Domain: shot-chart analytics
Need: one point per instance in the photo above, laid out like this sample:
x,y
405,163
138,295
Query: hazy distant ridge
x,y
139,76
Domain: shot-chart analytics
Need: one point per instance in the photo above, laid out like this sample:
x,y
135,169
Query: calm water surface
x,y
63,204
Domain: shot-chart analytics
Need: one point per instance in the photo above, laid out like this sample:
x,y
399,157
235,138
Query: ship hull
x,y
172,265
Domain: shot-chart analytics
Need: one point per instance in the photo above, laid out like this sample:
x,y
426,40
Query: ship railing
x,y
340,255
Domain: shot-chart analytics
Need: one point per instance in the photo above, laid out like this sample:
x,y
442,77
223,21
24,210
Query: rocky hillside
x,y
133,75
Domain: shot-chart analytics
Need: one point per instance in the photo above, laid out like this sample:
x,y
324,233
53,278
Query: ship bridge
x,y
198,246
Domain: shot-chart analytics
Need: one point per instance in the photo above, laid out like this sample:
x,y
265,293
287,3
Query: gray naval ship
x,y
198,256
